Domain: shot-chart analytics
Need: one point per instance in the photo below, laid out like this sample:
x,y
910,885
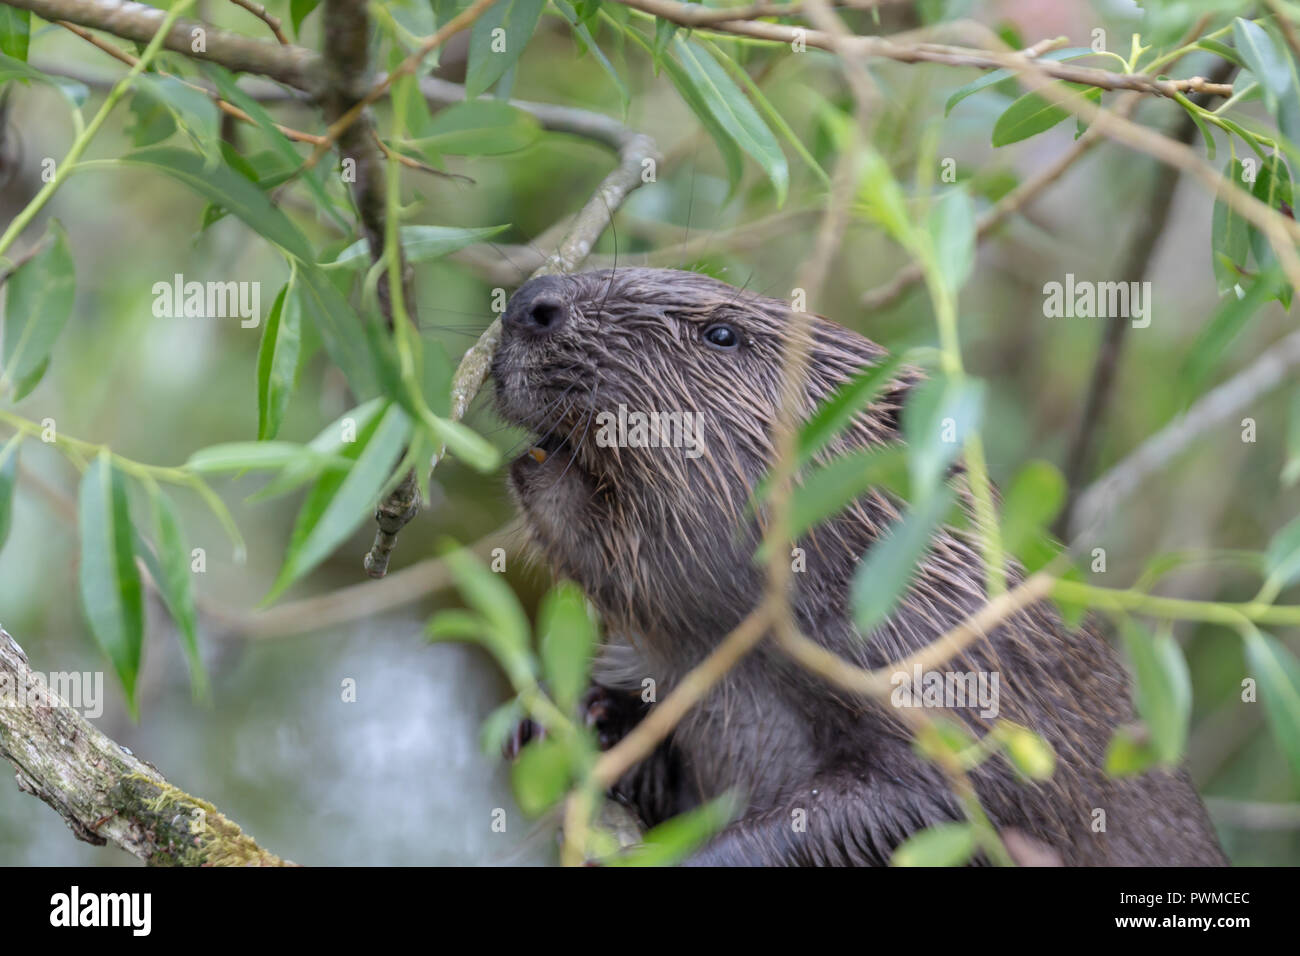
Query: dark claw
x,y
524,732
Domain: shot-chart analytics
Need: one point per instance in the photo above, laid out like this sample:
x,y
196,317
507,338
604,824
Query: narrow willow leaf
x,y
422,243
466,444
12,68
944,844
8,481
677,838
581,28
1163,688
939,416
340,329
486,65
478,128
15,32
170,568
300,10
1028,752
1273,188
331,442
192,111
1211,346
695,99
109,581
277,361
1032,114
1129,753
38,301
488,594
257,456
834,414
997,76
1278,673
826,491
734,113
1282,559
1291,470
1263,59
887,569
951,225
340,501
568,636
1229,237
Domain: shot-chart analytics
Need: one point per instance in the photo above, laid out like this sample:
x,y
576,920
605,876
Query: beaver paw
x,y
520,735
611,714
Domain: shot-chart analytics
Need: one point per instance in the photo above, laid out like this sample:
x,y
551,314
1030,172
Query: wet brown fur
x,y
663,547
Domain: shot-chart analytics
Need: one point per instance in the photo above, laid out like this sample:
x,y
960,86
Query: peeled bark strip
x,y
104,792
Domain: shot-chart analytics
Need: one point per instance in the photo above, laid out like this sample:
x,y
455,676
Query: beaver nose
x,y
538,308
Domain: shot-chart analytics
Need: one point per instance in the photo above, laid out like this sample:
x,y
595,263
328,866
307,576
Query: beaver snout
x,y
538,308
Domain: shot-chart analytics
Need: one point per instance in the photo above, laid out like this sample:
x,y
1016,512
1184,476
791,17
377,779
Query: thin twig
x,y
259,11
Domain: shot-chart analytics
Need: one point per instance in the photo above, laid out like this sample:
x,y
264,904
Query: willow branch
x,y
105,793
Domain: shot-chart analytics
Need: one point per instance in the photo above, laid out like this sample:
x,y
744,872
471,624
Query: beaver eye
x,y
721,337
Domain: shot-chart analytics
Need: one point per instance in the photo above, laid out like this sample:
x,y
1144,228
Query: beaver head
x,y
653,394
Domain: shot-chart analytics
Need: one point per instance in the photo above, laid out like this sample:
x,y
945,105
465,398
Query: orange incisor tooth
x,y
537,455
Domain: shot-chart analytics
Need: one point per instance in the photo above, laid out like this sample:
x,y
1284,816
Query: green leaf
x,y
340,329
951,225
1211,346
734,113
887,569
1282,560
421,243
1278,674
997,76
170,569
1263,59
299,10
340,501
938,417
826,491
193,112
331,442
1273,188
38,301
1163,688
8,481
835,414
277,361
519,19
693,97
1229,238
944,844
1291,470
568,637
1031,502
488,594
1028,752
257,456
1130,753
664,32
478,128
109,581
15,32
678,837
15,69
540,775
1030,115
584,35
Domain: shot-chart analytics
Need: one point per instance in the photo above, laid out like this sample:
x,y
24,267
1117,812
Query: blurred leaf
x,y
568,638
109,580
329,443
341,500
664,32
340,329
584,34
497,727
257,456
1028,752
951,225
170,569
15,32
1282,560
455,624
827,490
1291,470
15,69
1163,690
1031,502
695,98
944,844
1229,239
1130,753
882,199
997,76
421,243
1211,346
519,20
38,301
1273,188
478,128
1278,673
299,10
277,361
1263,59
8,481
887,569
1032,114
488,594
540,775
193,112
939,416
734,114
677,838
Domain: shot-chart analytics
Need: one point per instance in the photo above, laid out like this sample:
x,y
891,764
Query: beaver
x,y
663,544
